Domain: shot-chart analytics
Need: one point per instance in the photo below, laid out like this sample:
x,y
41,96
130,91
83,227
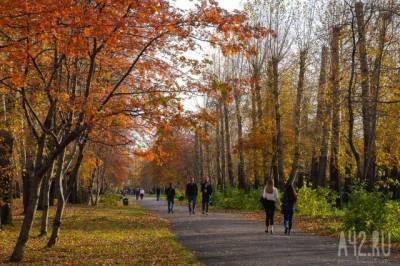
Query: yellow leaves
x,y
127,234
171,28
107,75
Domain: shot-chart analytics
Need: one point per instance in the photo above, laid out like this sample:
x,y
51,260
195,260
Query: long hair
x,y
290,193
269,187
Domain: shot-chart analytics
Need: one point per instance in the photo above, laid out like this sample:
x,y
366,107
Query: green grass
x,y
102,235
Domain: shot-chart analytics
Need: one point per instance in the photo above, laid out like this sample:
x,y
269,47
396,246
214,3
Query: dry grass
x,y
102,235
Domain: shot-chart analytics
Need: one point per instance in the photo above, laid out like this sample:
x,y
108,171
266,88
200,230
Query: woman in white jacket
x,y
270,196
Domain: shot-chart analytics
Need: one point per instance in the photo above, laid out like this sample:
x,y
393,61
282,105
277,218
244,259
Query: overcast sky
x,y
227,4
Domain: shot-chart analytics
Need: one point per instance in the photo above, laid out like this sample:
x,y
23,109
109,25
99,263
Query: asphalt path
x,y
232,239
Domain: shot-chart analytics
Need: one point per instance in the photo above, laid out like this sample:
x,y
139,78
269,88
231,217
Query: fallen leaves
x,y
103,235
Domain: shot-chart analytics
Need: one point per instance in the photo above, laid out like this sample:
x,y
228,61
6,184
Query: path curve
x,y
231,239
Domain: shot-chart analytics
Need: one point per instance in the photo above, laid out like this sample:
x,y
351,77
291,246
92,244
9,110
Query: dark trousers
x,y
288,218
192,203
204,204
141,196
269,207
170,206
158,196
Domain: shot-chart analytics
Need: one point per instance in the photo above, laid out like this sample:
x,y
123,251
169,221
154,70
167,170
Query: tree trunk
x,y
364,72
350,136
385,19
218,152
336,112
52,192
207,152
27,221
28,172
297,117
254,156
60,200
45,201
241,172
90,190
73,186
201,159
100,183
260,121
6,177
222,141
30,211
254,130
278,131
196,154
228,145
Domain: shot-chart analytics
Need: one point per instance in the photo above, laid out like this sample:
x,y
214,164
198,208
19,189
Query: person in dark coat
x,y
191,194
206,191
158,193
289,199
137,193
170,193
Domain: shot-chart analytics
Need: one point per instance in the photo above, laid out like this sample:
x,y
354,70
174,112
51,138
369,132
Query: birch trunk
x,y
297,117
278,130
45,204
60,200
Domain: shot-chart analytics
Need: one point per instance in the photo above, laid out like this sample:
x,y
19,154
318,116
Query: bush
x,y
392,221
235,198
179,193
110,199
316,202
365,211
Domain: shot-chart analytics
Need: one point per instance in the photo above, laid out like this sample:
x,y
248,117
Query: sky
x,y
227,4
192,103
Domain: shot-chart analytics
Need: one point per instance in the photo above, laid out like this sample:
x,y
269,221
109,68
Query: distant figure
x,y
289,198
141,193
137,193
206,191
170,192
191,194
270,196
158,193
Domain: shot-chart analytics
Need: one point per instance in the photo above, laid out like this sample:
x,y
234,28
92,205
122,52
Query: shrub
x,y
110,199
179,193
235,198
392,221
365,211
316,202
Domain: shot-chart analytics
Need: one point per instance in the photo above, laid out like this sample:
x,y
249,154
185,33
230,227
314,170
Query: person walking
x,y
170,193
158,193
141,193
270,196
206,191
191,194
137,193
289,199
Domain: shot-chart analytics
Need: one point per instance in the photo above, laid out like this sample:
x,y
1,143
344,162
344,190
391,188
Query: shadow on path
x,y
231,239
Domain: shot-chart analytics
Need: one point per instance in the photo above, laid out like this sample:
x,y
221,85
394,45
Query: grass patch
x,y
102,235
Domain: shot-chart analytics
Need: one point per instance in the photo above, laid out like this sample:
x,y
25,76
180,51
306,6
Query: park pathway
x,y
231,239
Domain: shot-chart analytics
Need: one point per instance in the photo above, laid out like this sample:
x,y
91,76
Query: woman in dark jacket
x,y
206,192
288,200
